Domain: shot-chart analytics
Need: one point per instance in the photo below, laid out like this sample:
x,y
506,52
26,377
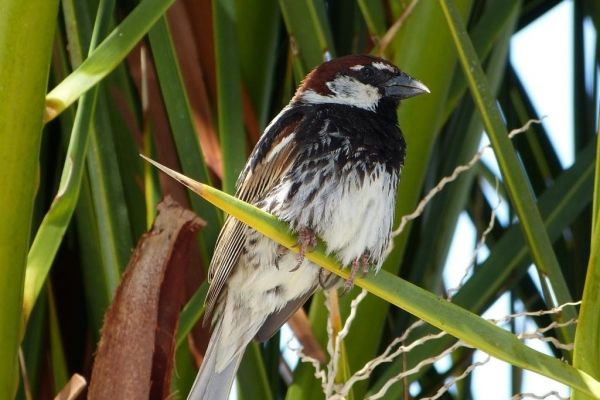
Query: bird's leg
x,y
306,237
361,262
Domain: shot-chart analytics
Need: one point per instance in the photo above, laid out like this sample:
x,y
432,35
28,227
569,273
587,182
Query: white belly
x,y
352,218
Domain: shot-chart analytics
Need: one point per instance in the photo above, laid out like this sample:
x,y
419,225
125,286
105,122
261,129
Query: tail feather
x,y
209,384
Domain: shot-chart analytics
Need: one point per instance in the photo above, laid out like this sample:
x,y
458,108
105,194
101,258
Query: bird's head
x,y
361,81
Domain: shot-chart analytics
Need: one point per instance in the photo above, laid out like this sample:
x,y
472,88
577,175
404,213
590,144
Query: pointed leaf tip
x,y
196,186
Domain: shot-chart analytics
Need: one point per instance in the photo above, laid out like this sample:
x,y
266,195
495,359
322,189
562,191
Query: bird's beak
x,y
403,87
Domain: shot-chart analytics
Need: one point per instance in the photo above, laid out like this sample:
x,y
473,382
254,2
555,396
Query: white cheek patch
x,y
380,66
349,91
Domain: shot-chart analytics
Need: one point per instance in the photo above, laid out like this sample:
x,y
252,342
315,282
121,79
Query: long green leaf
x,y
449,317
439,224
229,88
106,57
112,215
516,182
114,230
125,126
560,205
252,375
95,280
587,339
498,17
596,205
98,282
24,64
191,313
182,125
260,23
56,221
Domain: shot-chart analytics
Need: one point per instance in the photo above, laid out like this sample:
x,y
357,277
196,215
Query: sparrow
x,y
328,165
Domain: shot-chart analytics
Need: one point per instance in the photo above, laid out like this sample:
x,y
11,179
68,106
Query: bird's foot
x,y
306,237
361,262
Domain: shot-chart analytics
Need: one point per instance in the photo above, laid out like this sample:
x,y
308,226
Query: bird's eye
x,y
367,72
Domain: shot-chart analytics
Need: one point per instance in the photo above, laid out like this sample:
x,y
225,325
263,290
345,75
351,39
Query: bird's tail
x,y
209,384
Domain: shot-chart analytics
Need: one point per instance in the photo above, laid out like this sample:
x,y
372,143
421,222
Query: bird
x,y
329,165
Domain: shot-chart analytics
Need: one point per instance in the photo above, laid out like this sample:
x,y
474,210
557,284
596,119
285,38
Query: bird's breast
x,y
351,209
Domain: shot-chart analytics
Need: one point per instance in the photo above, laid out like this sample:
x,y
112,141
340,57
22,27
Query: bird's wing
x,y
271,159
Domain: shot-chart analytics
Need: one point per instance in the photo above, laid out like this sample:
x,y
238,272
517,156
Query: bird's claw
x,y
306,237
361,262
281,250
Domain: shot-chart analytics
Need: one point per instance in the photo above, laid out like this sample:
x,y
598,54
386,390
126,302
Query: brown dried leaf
x,y
135,354
193,76
201,30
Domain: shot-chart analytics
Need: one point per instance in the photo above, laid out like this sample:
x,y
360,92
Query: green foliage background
x,y
76,196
